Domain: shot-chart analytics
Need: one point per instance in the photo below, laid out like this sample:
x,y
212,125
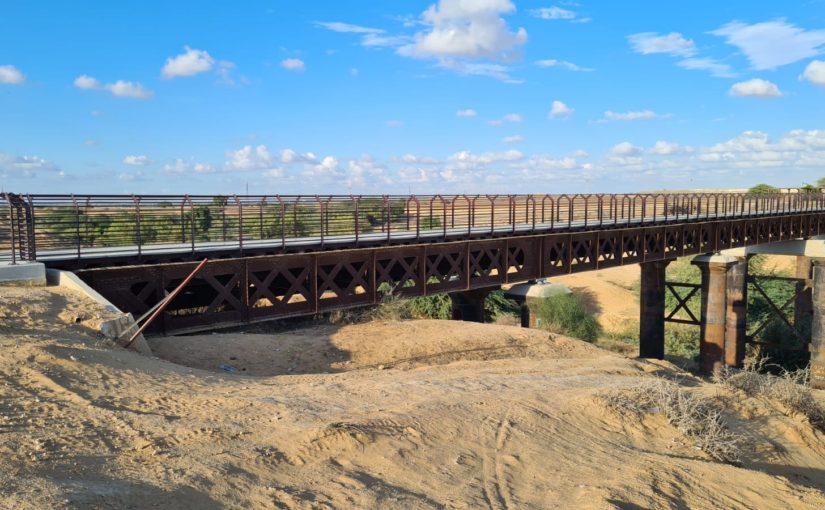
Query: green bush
x,y
436,306
567,315
763,188
496,305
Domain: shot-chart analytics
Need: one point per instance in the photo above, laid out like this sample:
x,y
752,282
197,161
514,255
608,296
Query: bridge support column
x,y
652,310
736,313
469,304
817,346
713,328
803,305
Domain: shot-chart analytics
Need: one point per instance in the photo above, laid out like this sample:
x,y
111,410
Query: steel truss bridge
x,y
283,256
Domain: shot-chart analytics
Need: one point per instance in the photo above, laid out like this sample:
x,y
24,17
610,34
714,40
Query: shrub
x,y
698,419
789,388
763,188
496,306
567,315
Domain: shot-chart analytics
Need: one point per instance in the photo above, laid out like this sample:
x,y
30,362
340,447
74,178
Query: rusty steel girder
x,y
253,288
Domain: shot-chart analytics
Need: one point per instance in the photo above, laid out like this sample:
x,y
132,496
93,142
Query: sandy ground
x,y
423,414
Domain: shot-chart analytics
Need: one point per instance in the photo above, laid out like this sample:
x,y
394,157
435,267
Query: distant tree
x,y
808,188
820,183
763,188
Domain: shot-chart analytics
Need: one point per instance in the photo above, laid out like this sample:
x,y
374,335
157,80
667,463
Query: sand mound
x,y
326,349
515,423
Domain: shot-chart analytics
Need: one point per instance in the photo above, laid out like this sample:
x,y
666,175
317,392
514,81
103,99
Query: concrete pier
x,y
469,304
530,296
817,346
713,328
803,304
652,310
736,312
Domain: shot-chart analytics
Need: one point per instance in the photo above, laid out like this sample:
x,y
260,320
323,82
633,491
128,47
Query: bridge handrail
x,y
84,225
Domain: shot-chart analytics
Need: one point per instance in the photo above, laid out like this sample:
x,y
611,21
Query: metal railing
x,y
77,226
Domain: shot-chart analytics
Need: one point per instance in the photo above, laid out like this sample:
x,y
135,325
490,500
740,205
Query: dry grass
x,y
700,420
788,388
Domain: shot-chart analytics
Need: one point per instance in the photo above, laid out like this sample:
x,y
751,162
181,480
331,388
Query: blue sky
x,y
449,96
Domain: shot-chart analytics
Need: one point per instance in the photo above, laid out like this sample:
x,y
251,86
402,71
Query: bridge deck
x,y
343,241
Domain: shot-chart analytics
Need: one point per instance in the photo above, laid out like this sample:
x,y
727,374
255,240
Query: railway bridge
x,y
284,256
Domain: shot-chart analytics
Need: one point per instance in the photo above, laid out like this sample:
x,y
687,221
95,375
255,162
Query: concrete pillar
x,y
652,310
530,295
713,328
817,346
468,305
736,313
803,305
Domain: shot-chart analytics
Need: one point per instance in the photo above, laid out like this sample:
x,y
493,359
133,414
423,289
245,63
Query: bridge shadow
x,y
261,350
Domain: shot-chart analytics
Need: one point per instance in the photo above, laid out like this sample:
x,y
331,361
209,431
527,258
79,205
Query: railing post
x,y
240,222
136,200
7,196
355,201
77,224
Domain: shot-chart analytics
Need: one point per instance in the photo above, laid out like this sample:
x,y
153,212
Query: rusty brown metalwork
x,y
253,288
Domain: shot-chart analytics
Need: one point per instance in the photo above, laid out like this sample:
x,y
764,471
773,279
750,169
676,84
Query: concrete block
x,y
120,329
24,273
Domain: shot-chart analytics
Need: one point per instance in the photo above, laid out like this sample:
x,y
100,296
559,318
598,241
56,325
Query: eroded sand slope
x,y
460,416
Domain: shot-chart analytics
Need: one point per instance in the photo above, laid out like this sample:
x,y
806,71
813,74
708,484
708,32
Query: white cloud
x,y
370,37
87,83
137,161
394,123
626,149
563,64
487,157
122,88
559,109
25,166
293,64
513,139
365,170
188,63
755,88
632,115
289,156
513,117
772,44
354,71
251,158
557,13
327,167
385,41
467,29
183,167
417,160
119,88
707,64
337,26
132,176
469,112
663,148
673,43
552,13
497,71
815,72
10,75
